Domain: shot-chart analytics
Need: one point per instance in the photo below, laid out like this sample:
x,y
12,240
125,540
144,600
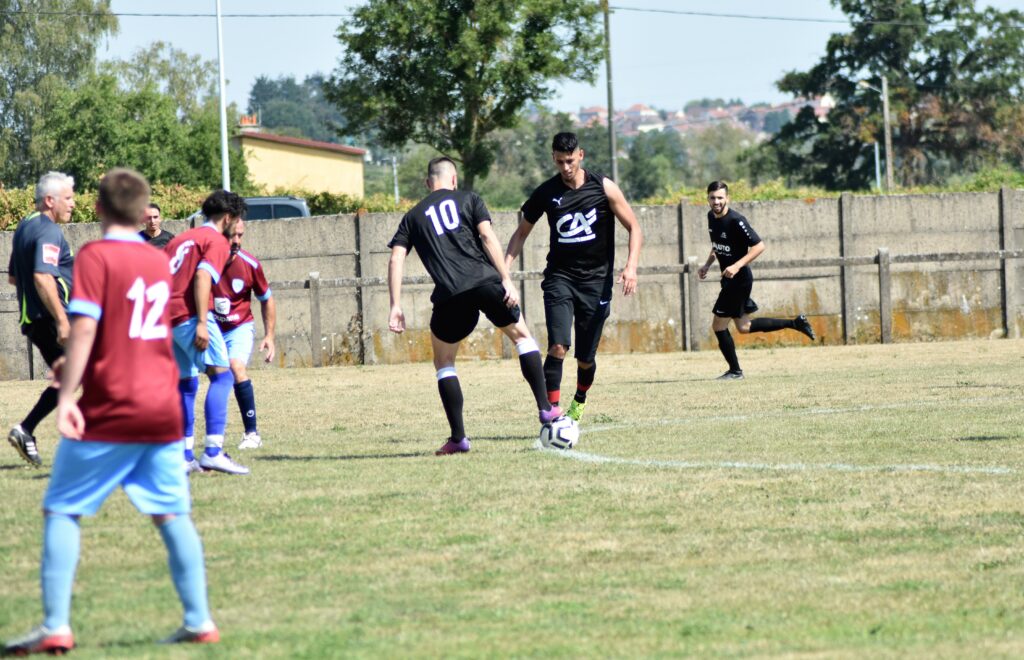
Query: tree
x,y
955,78
288,107
45,47
449,73
187,79
657,160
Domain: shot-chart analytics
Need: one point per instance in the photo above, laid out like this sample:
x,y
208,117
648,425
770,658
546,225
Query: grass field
x,y
852,501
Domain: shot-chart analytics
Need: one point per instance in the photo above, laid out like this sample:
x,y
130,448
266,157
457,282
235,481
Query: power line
x,y
763,17
164,15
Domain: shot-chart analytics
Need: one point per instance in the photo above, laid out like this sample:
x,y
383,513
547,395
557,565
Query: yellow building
x,y
276,161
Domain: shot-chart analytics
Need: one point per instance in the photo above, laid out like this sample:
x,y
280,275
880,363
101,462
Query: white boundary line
x,y
587,457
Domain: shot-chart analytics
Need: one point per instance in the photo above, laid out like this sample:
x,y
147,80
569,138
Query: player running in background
x,y
40,270
452,231
125,430
735,244
198,257
232,307
578,280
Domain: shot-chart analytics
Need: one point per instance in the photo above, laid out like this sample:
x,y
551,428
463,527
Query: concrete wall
x,y
930,300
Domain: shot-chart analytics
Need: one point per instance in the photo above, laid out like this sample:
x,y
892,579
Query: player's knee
x,y
161,519
743,328
557,351
239,370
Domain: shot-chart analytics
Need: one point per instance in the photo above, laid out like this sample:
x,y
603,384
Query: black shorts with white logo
x,y
455,318
734,299
581,305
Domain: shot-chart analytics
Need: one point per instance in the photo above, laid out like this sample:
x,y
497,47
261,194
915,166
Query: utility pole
x,y
611,104
888,134
224,167
394,174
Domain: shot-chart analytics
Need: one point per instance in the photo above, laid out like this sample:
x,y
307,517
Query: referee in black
x,y
451,230
581,207
40,270
735,244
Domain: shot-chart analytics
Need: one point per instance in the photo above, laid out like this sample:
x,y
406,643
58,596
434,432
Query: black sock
x,y
44,406
553,378
451,398
533,372
728,348
771,325
584,379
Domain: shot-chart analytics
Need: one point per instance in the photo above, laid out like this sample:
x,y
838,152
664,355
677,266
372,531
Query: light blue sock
x,y
216,405
61,546
188,572
188,387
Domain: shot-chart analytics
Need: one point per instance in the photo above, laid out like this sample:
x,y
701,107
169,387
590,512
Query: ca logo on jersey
x,y
237,285
575,227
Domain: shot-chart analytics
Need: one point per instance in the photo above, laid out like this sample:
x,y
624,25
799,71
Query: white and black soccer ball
x,y
560,434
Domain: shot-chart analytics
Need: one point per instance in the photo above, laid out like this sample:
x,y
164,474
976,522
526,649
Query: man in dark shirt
x,y
581,206
151,232
40,270
735,244
451,230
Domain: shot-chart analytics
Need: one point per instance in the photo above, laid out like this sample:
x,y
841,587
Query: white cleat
x,y
251,441
192,466
222,463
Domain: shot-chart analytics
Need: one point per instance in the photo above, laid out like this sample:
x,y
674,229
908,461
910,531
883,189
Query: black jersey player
x,y
451,230
581,207
735,244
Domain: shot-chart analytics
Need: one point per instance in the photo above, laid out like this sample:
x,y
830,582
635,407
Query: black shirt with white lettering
x,y
443,228
731,239
582,238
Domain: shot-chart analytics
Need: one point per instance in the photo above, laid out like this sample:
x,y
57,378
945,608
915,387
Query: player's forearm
x,y
83,336
752,253
710,260
636,241
395,271
46,287
493,251
12,280
202,284
515,246
269,311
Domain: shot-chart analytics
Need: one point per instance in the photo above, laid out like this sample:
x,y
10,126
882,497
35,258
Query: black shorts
x,y
580,305
734,299
455,318
43,335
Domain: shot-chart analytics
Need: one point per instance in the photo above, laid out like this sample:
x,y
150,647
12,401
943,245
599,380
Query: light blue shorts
x,y
192,361
84,474
240,341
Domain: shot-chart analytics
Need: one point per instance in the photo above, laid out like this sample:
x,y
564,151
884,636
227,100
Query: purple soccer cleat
x,y
548,416
453,447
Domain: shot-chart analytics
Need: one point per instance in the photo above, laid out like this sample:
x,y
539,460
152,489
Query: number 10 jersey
x,y
130,384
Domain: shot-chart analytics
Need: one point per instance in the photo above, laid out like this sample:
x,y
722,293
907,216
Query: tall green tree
x,y
45,47
955,76
187,79
449,73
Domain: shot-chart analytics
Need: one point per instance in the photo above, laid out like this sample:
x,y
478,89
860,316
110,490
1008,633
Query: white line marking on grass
x,y
586,457
598,428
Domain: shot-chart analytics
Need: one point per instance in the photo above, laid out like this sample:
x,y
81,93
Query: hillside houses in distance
x,y
761,119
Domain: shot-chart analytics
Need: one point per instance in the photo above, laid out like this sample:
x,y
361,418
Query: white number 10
x,y
449,216
139,294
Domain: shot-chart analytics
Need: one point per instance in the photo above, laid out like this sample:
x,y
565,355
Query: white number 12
x,y
139,294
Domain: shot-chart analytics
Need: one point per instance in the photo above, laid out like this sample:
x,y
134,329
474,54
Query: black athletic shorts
x,y
734,299
455,318
43,335
583,304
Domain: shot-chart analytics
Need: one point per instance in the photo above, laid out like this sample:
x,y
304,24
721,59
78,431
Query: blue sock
x,y
216,407
246,404
61,545
188,387
188,572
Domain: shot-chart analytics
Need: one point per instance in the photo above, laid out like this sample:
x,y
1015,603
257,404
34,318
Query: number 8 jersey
x,y
442,227
130,384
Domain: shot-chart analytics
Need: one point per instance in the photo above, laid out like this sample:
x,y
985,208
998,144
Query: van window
x,y
287,211
260,212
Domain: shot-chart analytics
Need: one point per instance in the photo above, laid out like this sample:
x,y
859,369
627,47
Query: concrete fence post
x,y
366,352
847,311
1009,282
692,338
316,341
884,295
684,322
31,359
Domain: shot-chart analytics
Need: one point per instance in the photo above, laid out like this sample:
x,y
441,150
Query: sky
x,y
661,59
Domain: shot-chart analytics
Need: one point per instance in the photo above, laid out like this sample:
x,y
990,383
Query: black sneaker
x,y
25,444
731,375
804,326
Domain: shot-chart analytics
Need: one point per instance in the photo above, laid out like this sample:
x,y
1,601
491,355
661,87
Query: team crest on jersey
x,y
51,254
576,227
237,285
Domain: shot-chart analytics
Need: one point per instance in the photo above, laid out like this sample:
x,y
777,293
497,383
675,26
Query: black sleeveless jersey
x,y
731,239
582,237
443,228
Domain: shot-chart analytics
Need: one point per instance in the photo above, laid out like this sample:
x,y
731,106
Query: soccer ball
x,y
560,434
